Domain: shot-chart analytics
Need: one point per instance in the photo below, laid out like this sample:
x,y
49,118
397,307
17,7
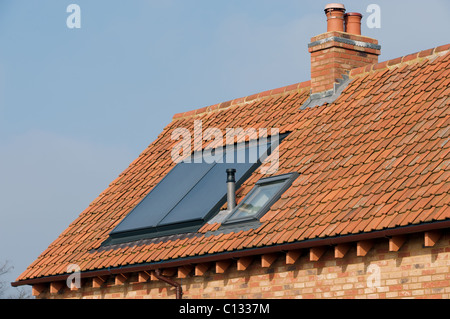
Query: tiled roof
x,y
377,158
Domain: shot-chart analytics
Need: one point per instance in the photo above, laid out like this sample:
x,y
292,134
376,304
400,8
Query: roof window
x,y
259,200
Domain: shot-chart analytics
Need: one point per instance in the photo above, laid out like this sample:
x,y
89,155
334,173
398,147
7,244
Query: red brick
x,y
436,284
395,287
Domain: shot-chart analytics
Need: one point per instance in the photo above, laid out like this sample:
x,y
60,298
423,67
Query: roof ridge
x,y
407,59
245,100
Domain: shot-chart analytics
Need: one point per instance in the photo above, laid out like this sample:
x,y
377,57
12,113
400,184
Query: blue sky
x,y
78,105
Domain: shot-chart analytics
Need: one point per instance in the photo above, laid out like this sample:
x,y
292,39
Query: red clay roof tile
x,y
376,158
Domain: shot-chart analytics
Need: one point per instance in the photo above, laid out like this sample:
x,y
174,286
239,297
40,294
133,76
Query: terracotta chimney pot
x,y
353,23
335,17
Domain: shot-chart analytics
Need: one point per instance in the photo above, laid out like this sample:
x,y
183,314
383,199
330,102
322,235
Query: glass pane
x,y
211,191
164,197
257,200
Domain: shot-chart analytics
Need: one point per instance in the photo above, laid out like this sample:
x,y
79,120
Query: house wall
x,y
412,272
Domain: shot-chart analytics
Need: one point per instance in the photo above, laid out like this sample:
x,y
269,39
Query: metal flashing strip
x,y
346,41
318,99
144,240
235,228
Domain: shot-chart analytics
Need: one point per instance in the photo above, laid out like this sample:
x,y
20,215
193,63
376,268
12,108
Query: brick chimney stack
x,y
339,50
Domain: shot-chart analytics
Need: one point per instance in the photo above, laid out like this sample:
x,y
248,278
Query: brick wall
x,y
412,272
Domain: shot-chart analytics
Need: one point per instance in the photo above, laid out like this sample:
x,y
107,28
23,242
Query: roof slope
x,y
377,158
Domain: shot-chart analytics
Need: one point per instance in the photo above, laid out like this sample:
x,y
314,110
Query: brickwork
x,y
414,271
332,60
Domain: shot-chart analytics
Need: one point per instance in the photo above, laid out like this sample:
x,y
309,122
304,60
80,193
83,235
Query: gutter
x,y
332,241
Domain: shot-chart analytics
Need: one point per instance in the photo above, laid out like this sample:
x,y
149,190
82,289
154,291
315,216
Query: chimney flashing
x,y
361,44
318,99
345,35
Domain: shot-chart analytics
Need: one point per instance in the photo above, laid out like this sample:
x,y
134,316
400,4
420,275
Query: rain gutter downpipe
x,y
179,289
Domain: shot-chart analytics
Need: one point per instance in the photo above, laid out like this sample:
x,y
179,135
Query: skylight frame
x,y
286,179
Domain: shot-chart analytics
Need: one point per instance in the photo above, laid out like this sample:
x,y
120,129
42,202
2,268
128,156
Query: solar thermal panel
x,y
191,192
